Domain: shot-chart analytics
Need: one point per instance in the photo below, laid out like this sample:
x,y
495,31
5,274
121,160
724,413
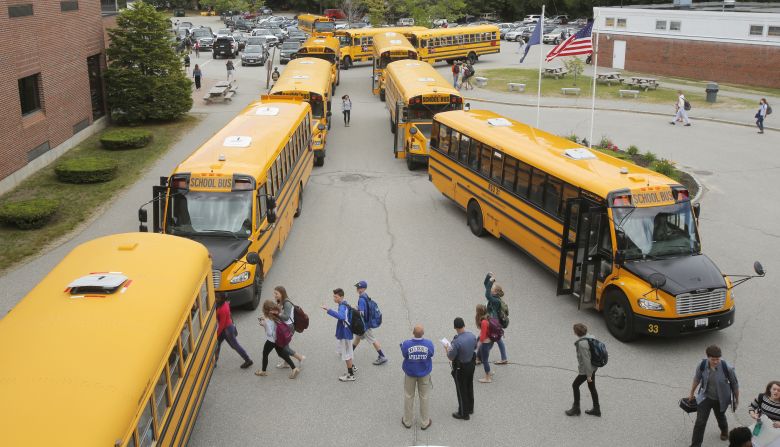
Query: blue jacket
x,y
343,331
418,355
494,302
721,378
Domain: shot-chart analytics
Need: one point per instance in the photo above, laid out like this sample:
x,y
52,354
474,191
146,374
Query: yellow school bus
x,y
325,48
114,347
238,193
451,44
308,78
357,44
415,92
314,24
622,238
388,46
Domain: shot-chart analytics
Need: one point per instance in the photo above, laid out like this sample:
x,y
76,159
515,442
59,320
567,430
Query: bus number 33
x,y
652,328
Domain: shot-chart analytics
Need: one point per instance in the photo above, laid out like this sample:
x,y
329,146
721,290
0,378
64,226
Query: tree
x,y
226,5
377,11
575,67
144,79
354,9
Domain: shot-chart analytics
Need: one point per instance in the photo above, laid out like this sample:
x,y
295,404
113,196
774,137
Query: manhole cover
x,y
353,178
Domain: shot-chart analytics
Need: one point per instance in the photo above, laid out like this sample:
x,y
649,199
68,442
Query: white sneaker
x,y
347,378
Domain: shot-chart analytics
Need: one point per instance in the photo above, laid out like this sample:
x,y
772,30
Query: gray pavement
x,y
366,217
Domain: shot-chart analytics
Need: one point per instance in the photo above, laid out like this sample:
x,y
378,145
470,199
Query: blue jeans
x,y
229,335
484,355
502,348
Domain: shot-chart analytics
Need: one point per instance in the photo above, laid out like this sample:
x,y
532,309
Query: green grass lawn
x,y
78,202
498,79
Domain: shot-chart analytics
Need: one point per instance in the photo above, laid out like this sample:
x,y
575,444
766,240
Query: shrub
x,y
605,142
28,214
632,150
86,170
664,167
649,157
572,137
118,139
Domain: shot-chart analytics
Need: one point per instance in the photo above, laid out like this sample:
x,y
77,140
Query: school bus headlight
x,y
649,305
241,277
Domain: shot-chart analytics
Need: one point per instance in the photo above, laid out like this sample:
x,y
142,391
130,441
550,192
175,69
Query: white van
x,y
406,21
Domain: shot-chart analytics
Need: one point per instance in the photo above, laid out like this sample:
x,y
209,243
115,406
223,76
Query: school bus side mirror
x,y
329,114
320,127
143,216
143,228
252,258
696,207
413,131
657,280
270,202
271,216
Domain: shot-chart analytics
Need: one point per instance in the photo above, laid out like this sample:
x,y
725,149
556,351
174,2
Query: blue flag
x,y
536,38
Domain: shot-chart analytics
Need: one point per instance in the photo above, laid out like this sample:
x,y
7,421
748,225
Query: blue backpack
x,y
598,353
373,314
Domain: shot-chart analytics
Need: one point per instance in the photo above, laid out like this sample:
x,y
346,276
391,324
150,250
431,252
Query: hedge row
x,y
86,170
120,139
28,214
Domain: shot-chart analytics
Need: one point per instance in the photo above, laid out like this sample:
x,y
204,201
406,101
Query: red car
x,y
335,14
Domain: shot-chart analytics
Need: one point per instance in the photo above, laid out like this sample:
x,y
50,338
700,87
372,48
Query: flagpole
x,y
541,54
595,70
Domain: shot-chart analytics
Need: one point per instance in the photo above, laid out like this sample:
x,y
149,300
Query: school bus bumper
x,y
239,297
679,326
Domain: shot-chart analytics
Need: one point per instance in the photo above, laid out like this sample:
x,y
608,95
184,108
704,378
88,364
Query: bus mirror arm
x,y
741,279
620,258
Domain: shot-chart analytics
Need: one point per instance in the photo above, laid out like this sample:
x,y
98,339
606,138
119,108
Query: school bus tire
x,y
474,218
346,63
300,201
472,58
410,164
319,160
392,125
618,315
382,95
449,61
257,289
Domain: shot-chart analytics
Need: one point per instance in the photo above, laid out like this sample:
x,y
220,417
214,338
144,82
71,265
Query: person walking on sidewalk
x,y
196,75
346,108
461,353
343,332
417,365
369,334
287,316
763,108
681,113
485,344
186,63
226,330
494,294
767,404
196,47
455,73
269,321
718,388
231,69
586,372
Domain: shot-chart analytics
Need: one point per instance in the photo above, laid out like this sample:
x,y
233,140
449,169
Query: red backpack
x,y
283,334
495,331
300,319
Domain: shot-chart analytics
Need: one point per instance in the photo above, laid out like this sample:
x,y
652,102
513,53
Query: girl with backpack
x,y
494,294
455,73
468,73
270,322
287,316
763,111
488,334
585,372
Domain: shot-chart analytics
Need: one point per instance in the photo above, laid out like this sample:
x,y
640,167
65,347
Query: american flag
x,y
579,43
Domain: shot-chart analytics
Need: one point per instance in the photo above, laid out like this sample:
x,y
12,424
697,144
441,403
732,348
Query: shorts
x,y
344,348
368,336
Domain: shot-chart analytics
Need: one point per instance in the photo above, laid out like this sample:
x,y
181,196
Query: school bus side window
x,y
174,367
161,399
498,164
523,179
484,160
195,318
435,134
463,154
510,172
537,187
552,195
569,192
444,138
261,207
186,346
145,429
454,144
474,150
204,298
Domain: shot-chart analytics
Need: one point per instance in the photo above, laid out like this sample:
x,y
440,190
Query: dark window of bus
x,y
474,151
463,154
261,204
186,346
269,187
204,297
435,134
161,399
444,138
569,192
454,144
424,43
498,165
145,429
174,368
274,186
288,156
317,108
536,194
510,172
279,175
196,322
523,179
552,195
484,160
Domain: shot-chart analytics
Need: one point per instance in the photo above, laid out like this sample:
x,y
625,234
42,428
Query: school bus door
x,y
578,273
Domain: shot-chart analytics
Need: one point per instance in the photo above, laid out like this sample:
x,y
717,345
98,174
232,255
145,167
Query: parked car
x,y
265,10
225,46
335,14
243,24
531,18
561,19
298,36
185,25
554,37
406,21
254,55
527,32
515,34
260,39
240,39
271,29
203,36
288,50
224,32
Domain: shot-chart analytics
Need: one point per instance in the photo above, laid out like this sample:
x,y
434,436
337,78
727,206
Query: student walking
x,y
718,388
741,437
763,108
494,294
368,335
343,332
417,365
767,404
196,75
485,344
231,69
586,372
226,330
186,63
275,76
269,321
468,72
196,47
681,113
287,316
461,353
346,108
455,73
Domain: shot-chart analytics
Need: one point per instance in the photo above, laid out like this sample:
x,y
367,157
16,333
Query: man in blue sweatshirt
x,y
343,332
417,365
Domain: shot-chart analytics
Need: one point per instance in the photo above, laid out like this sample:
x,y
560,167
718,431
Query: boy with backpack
x,y
345,317
372,318
591,354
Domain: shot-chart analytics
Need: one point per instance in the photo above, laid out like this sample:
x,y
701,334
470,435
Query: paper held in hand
x,y
446,343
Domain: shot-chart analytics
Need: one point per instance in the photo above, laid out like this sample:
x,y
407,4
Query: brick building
x,y
52,58
701,41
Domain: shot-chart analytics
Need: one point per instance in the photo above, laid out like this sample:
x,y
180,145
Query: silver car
x,y
254,55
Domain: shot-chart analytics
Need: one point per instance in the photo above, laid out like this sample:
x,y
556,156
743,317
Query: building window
x,y
30,93
674,26
774,31
70,5
621,23
756,30
20,10
96,86
609,21
660,25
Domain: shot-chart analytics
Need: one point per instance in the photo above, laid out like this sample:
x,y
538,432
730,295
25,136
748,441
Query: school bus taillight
x,y
179,183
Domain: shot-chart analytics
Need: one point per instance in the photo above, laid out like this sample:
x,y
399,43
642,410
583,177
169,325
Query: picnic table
x,y
557,72
609,78
643,83
221,91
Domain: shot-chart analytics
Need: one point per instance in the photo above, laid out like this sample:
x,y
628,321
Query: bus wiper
x,y
225,232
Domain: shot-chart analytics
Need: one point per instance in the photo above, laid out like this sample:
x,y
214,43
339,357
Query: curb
x,y
610,109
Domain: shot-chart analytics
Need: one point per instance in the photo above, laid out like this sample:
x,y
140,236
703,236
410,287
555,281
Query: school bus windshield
x,y
324,27
656,232
326,57
426,111
198,213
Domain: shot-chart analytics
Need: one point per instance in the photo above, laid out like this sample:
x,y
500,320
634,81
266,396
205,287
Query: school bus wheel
x,y
618,315
392,125
410,164
381,95
346,63
474,218
300,202
472,58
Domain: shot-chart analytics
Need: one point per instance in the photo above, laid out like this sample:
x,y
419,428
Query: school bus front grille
x,y
216,276
696,302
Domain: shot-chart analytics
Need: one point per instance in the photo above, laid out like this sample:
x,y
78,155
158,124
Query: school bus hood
x,y
683,274
223,250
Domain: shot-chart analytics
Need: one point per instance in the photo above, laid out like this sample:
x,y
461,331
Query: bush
x,y
86,170
664,167
118,139
28,214
649,157
573,137
605,142
632,150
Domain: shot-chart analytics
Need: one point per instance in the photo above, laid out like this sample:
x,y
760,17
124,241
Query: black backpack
x,y
687,105
356,324
598,353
